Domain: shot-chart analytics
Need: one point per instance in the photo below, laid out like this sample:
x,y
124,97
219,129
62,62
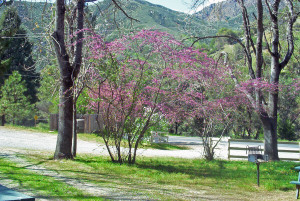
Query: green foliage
x,y
9,22
19,51
286,130
9,25
16,53
82,102
48,92
218,43
13,103
161,125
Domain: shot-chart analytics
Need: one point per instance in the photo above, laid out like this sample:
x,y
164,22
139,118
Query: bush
x,y
286,130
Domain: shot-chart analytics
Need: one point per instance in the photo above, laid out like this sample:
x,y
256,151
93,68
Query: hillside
x,y
37,17
223,11
149,16
228,12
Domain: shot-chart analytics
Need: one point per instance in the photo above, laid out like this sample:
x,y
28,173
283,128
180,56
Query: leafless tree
x,y
266,106
69,71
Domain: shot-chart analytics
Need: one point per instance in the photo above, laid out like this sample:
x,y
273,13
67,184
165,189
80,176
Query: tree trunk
x,y
176,128
68,74
270,122
65,121
270,133
74,147
3,120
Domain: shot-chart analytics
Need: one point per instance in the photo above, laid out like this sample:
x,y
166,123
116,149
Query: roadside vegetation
x,y
41,127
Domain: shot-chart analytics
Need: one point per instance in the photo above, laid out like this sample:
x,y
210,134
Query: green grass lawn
x,y
174,179
42,127
43,186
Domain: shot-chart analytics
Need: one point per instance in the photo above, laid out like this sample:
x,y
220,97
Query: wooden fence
x,y
85,123
159,137
237,149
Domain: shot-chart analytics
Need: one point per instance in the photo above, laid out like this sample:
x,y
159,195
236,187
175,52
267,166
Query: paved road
x,y
180,140
12,138
20,139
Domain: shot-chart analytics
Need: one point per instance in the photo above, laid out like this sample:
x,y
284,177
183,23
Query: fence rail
x,y
85,123
236,146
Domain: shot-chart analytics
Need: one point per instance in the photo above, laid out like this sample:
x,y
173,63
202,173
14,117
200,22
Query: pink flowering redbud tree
x,y
201,91
128,75
141,78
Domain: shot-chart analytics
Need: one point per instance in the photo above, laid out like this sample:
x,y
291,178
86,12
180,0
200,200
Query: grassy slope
x,y
177,179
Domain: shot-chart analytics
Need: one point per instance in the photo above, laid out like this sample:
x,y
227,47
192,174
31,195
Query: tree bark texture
x,y
74,131
68,73
3,120
270,135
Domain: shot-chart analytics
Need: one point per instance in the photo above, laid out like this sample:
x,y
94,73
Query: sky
x,y
181,5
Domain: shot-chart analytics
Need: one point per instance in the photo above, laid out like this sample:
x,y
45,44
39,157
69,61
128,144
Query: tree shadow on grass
x,y
218,170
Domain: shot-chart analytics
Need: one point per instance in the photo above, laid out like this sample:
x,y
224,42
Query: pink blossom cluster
x,y
259,84
150,72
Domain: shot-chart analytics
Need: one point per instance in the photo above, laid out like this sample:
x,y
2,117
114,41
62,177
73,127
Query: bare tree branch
x,y
269,9
268,45
247,53
123,11
248,38
290,36
79,43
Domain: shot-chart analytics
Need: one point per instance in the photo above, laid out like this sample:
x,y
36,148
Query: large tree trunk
x,y
64,138
270,133
68,74
270,122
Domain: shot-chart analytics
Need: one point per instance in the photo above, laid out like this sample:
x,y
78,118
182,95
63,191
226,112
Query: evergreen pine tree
x,y
14,105
9,25
17,54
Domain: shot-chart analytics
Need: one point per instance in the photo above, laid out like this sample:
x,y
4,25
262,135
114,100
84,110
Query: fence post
x,y
228,149
86,123
53,122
